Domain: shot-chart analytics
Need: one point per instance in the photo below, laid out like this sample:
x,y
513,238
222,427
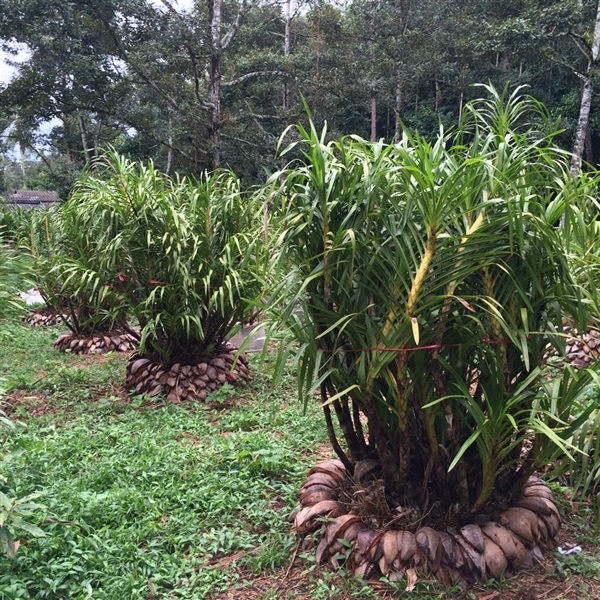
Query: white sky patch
x,y
183,5
7,71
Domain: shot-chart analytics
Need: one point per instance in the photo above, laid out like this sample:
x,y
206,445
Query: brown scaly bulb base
x,y
44,317
116,341
475,552
186,382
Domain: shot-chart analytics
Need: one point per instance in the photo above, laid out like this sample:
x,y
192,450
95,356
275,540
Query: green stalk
x,y
402,399
421,273
326,273
488,480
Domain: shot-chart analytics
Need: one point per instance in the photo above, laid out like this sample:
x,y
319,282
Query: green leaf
x,y
468,443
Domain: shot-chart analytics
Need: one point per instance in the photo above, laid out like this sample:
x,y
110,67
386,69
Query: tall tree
x,y
71,71
587,78
218,45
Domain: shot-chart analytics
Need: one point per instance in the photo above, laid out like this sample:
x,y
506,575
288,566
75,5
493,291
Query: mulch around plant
x,y
45,316
543,582
116,340
540,583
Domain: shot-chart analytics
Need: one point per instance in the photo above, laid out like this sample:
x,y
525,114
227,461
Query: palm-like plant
x,y
187,258
34,236
12,280
74,293
97,315
432,277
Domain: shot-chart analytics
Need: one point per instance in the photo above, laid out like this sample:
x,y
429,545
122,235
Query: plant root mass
x,y
358,529
187,382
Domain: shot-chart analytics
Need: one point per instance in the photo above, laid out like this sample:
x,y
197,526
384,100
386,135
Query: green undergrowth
x,y
144,499
149,500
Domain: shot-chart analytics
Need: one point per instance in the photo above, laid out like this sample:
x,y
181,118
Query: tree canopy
x,y
214,82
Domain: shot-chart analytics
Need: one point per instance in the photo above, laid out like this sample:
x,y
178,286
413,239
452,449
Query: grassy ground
x,y
152,501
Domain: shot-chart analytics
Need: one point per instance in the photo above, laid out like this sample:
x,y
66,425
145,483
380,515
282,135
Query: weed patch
x,y
146,499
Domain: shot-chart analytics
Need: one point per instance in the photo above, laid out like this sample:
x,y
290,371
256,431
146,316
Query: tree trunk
x,y
22,149
398,109
373,117
170,148
582,125
214,14
287,47
83,134
586,100
589,148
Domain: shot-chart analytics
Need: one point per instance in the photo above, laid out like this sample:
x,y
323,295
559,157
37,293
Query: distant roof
x,y
31,198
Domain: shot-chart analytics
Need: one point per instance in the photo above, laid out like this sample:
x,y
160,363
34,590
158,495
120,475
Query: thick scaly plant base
x,y
115,341
475,552
44,317
186,382
581,351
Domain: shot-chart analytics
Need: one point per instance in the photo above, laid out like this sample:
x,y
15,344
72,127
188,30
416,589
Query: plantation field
x,y
149,500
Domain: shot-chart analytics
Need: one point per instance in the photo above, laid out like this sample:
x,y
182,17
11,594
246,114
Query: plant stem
x,y
402,375
331,431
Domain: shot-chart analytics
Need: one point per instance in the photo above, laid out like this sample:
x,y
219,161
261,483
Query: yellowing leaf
x,y
415,329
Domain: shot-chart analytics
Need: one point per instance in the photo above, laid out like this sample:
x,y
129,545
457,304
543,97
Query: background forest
x,y
206,83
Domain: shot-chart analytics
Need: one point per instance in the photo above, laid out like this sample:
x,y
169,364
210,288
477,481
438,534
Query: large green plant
x,y
431,277
78,282
188,258
61,268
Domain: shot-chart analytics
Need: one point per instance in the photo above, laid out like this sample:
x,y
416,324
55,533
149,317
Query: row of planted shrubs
x,y
478,246
184,260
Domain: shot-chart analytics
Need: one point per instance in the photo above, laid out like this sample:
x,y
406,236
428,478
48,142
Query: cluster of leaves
x,y
15,512
55,250
432,277
582,467
10,281
187,258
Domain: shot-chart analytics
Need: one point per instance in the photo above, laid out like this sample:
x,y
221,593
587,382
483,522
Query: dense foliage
x,y
192,85
11,279
432,279
186,258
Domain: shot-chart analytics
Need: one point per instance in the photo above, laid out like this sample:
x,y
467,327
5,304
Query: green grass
x,y
142,498
151,500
